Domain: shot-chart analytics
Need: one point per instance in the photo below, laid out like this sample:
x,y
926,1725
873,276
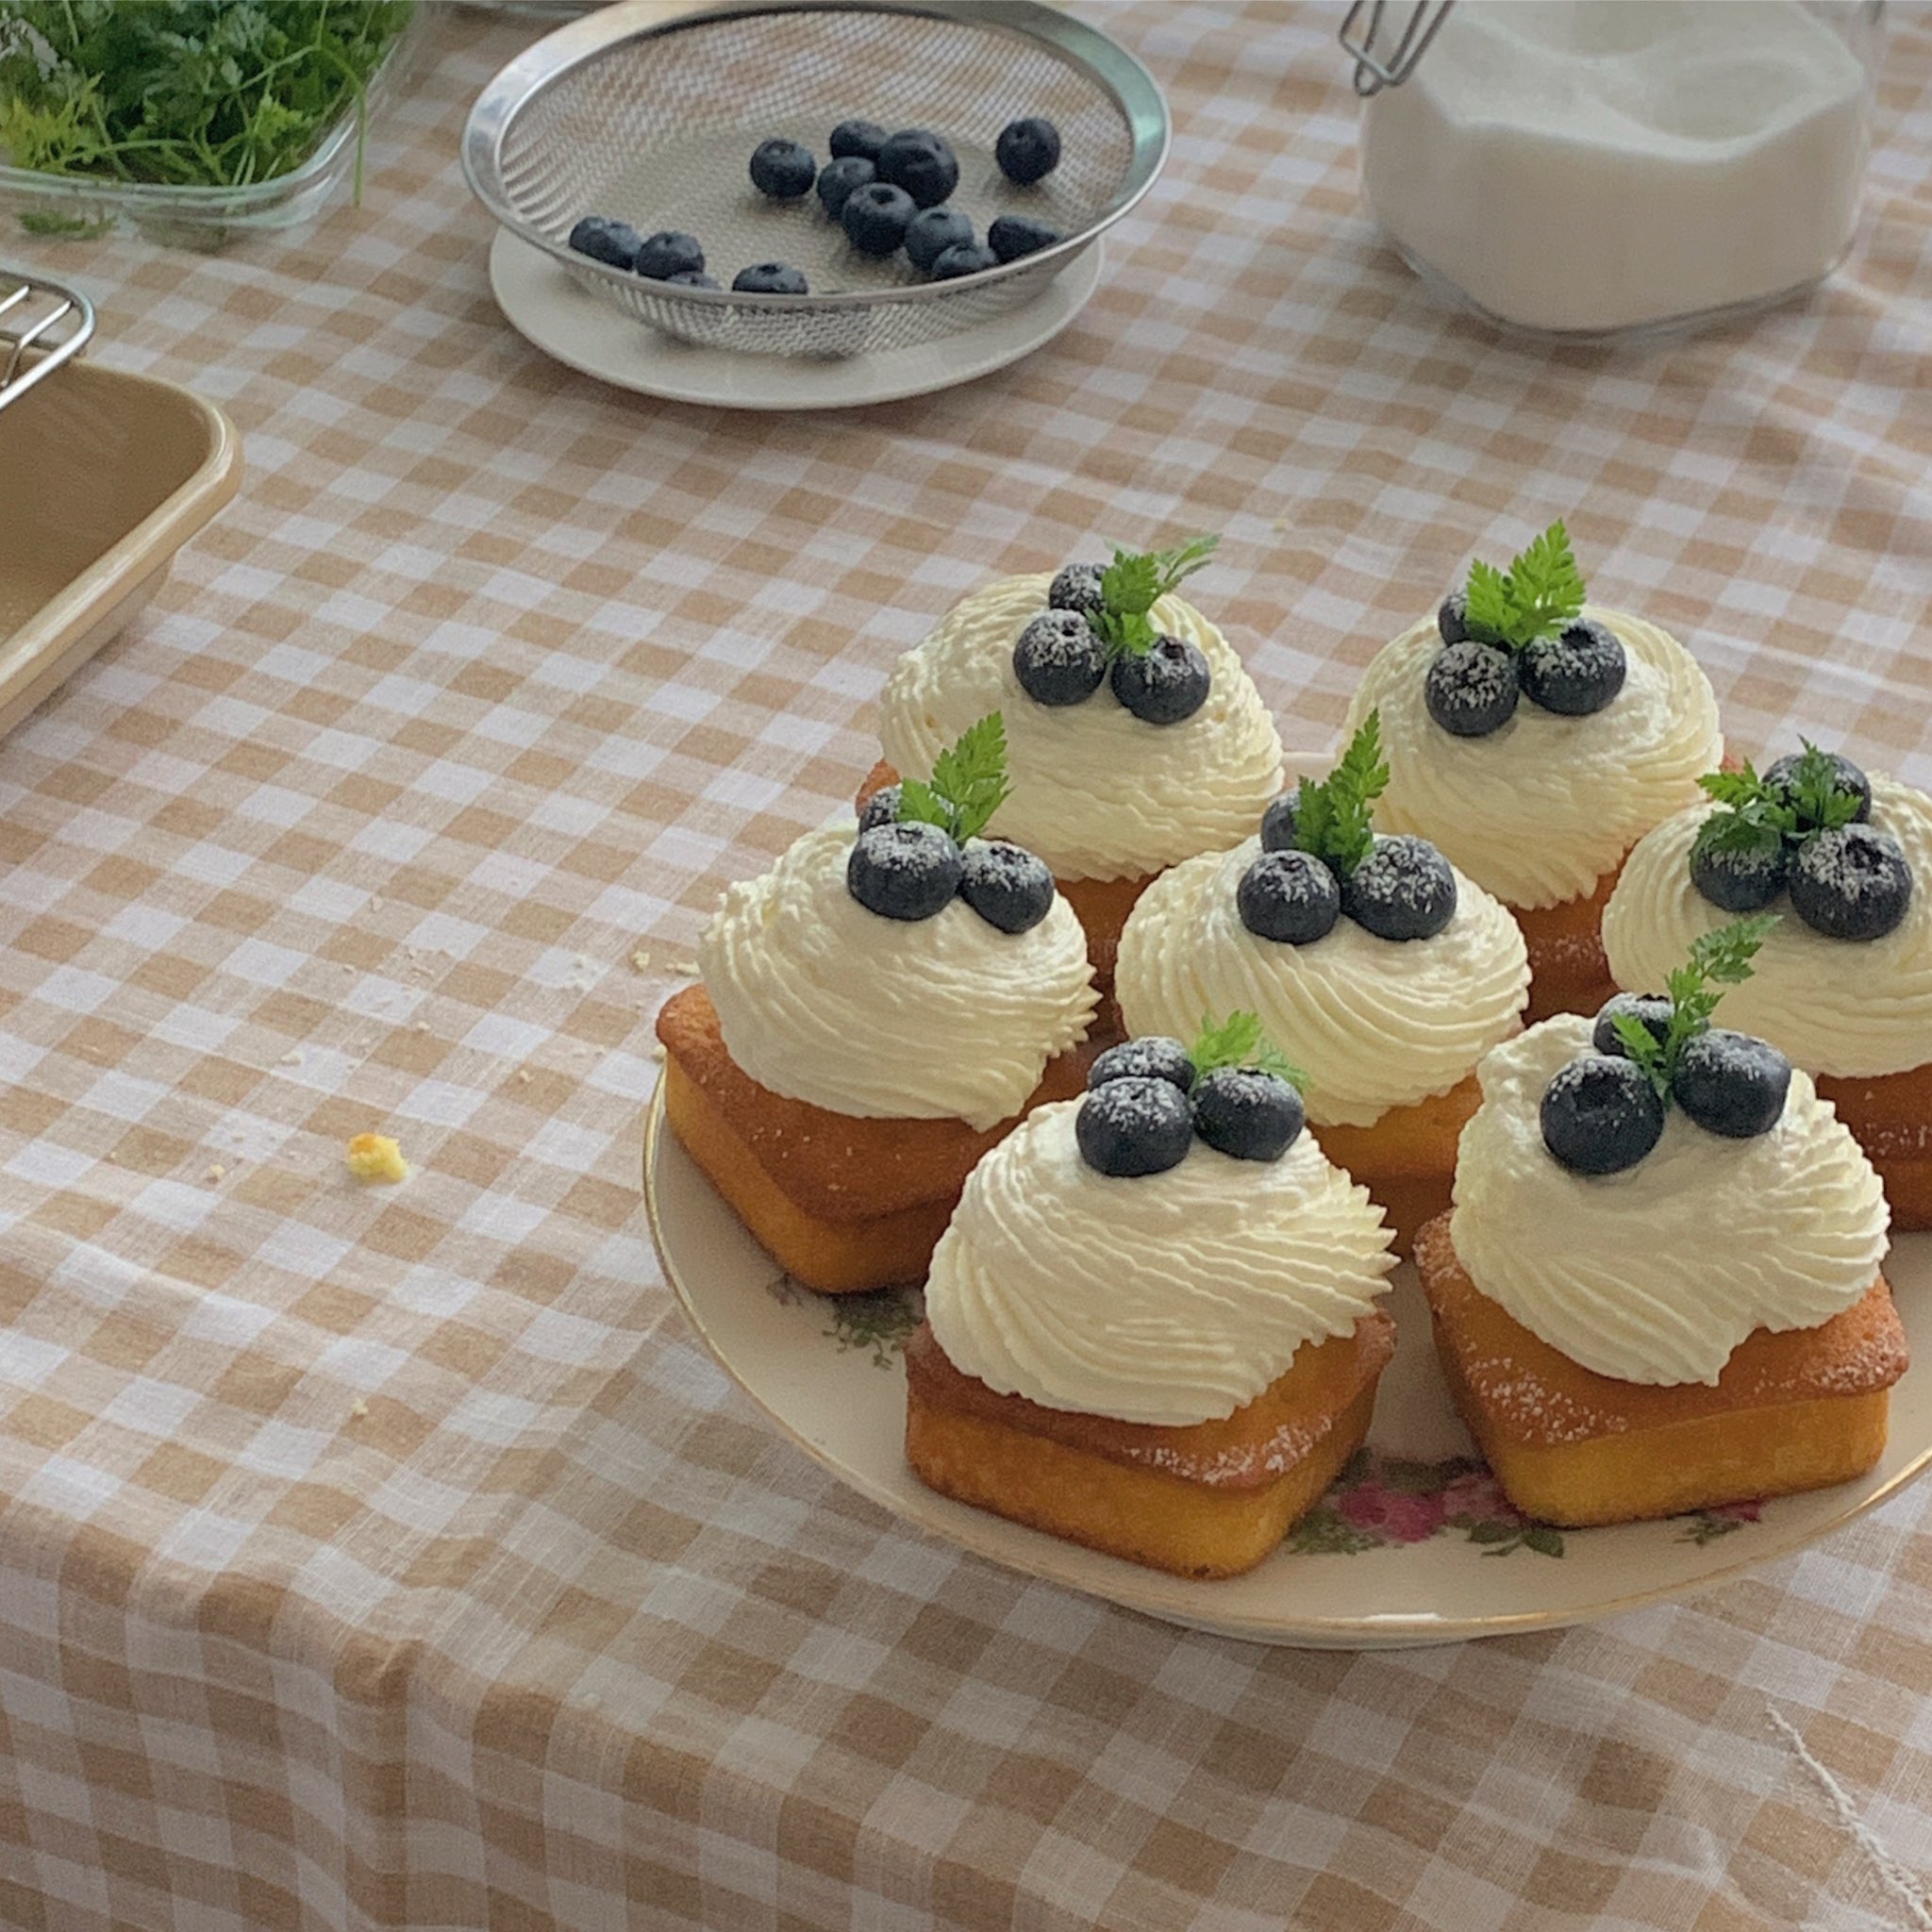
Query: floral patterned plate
x,y
1414,1544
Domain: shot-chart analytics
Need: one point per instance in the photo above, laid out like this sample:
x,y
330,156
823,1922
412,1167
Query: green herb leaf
x,y
1134,582
1239,1041
1540,594
1645,1048
1718,960
921,804
972,775
1820,801
1334,819
1736,787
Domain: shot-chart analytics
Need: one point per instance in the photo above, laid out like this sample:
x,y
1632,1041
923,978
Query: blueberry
x,y
1600,1114
615,244
905,870
1731,1083
668,253
1027,151
966,260
919,161
1452,617
932,231
881,809
691,278
837,180
1164,685
1278,821
1012,236
1247,1113
857,140
1653,1009
1852,883
769,278
1741,881
1404,890
1472,689
1057,659
1006,886
1152,1056
1289,896
1132,1127
876,217
1576,672
1781,772
783,169
1077,588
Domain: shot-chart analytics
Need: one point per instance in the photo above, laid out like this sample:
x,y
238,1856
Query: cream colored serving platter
x,y
1413,1546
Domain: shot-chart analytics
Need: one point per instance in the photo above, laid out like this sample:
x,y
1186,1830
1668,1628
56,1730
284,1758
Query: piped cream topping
x,y
1374,1022
1539,811
1166,1298
1846,1008
1097,792
1656,1273
823,1001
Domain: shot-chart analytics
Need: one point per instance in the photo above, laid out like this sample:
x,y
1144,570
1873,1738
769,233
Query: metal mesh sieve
x,y
622,115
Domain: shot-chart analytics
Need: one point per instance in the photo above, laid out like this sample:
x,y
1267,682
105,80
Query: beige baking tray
x,y
103,478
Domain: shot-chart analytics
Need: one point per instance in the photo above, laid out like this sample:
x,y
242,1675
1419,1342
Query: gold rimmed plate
x,y
1413,1545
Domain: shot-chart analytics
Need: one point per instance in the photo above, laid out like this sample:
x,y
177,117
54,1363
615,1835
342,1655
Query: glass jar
x,y
1588,170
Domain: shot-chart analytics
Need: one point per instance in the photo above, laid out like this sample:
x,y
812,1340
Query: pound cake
x,y
1659,1289
1843,982
1378,966
1535,738
871,1016
1135,735
1151,1327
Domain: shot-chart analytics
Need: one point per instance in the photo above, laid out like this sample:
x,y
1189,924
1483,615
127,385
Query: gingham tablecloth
x,y
395,1557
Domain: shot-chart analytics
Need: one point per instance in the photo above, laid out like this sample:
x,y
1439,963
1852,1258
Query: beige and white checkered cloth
x,y
386,1557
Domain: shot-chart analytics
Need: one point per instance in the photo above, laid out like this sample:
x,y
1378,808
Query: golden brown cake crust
x,y
1532,1393
1569,969
1890,1116
837,1166
1247,1450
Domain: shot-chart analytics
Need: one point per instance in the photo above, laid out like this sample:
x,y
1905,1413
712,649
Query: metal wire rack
x,y
43,324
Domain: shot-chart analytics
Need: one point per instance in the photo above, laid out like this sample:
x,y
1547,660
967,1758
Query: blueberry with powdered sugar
x,y
1578,672
1731,1084
1289,896
1152,1056
1077,588
1783,777
1404,890
1248,1113
1651,1010
1059,660
1008,887
1851,883
904,871
1452,617
881,809
1134,1127
1600,1114
1278,821
1738,878
1472,689
1165,683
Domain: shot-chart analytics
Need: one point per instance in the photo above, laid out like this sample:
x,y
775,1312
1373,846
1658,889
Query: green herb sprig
x,y
187,92
969,783
1759,820
1334,819
1538,594
1133,582
1239,1041
1718,960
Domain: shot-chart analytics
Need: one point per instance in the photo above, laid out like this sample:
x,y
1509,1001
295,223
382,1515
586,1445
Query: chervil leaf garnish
x,y
1819,798
1540,593
969,783
1717,959
1133,582
1239,1041
1758,817
1333,818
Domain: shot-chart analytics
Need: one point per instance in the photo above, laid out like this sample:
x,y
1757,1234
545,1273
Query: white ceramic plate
x,y
564,321
1414,1548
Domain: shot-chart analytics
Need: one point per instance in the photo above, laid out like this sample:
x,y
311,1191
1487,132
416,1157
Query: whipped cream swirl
x,y
1541,809
928,1019
1097,792
1656,1273
1852,1008
1169,1298
1374,1022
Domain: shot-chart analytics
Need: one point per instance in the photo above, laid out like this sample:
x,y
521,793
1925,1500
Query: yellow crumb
x,y
523,1074
641,959
685,969
293,1058
360,1409
376,1158
217,1172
